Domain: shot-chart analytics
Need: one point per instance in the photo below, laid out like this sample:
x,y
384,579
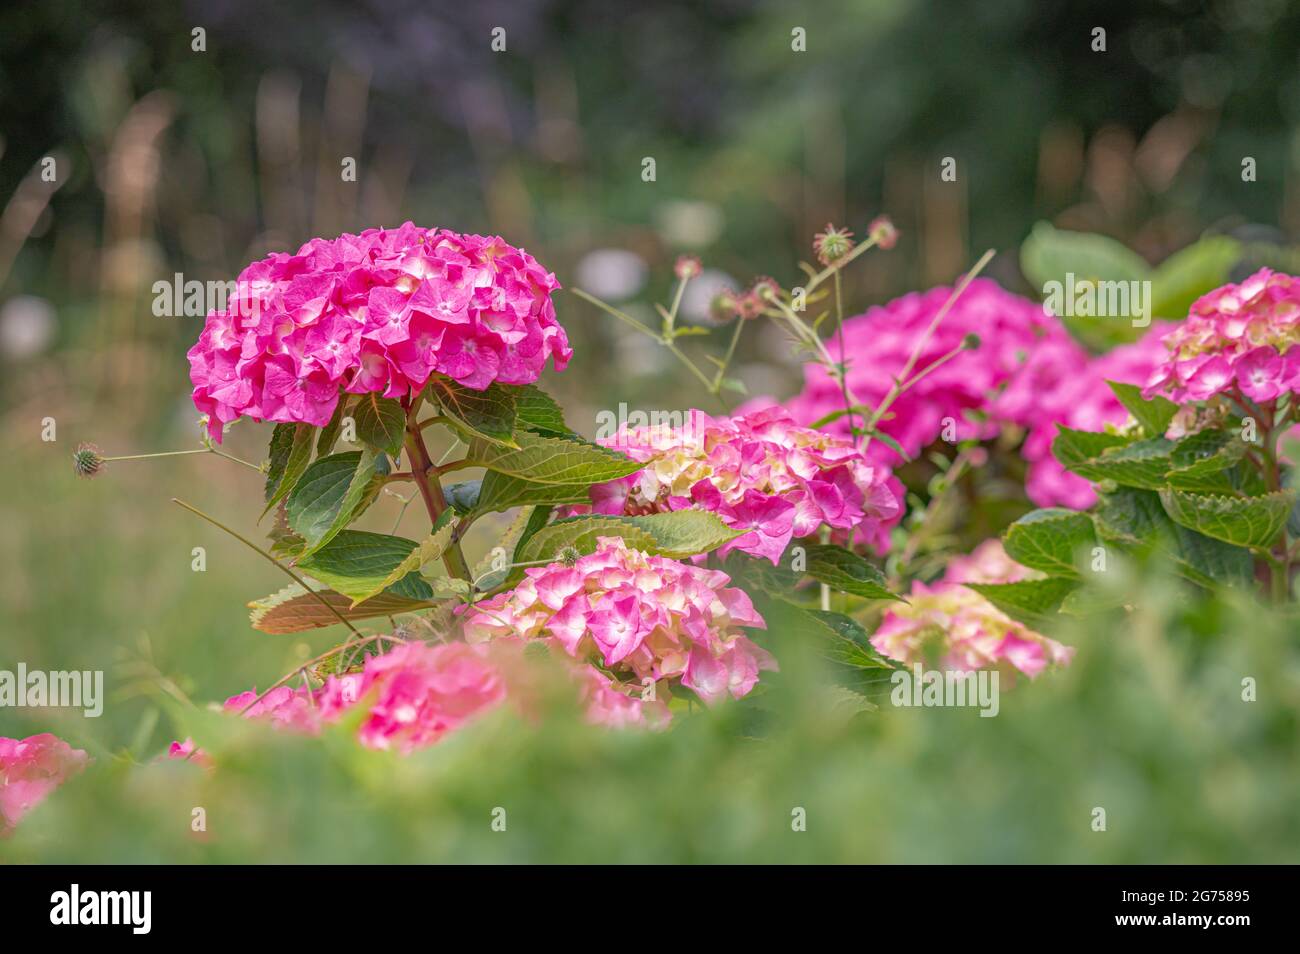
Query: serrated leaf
x,y
851,646
294,610
499,492
684,533
1141,464
552,460
1206,452
1255,522
358,564
1136,520
332,493
847,572
1154,414
1048,540
487,415
537,411
425,552
1029,601
582,534
380,422
290,454
1072,447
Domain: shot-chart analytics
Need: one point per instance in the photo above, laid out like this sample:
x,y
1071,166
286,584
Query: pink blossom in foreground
x,y
377,312
967,631
1239,338
759,472
30,769
644,617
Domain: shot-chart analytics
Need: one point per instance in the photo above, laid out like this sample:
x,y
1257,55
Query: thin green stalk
x,y
253,546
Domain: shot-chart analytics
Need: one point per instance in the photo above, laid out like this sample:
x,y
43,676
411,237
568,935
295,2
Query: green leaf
x,y
581,533
1188,274
850,645
429,549
1140,464
294,610
552,460
537,411
1154,414
290,454
684,533
1030,601
329,434
380,422
1255,522
484,415
500,492
847,572
1051,255
1135,520
680,534
332,492
1072,447
358,564
1048,540
1205,454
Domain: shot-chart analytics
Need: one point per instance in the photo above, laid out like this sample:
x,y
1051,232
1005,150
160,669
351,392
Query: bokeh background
x,y
176,161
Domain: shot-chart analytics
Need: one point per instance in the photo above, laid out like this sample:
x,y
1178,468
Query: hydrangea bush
x,y
665,565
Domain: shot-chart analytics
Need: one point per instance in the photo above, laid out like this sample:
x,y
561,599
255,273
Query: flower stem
x,y
253,546
425,476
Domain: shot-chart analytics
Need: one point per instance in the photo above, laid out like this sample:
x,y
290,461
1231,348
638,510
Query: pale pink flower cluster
x,y
646,617
377,312
1237,338
30,769
759,472
968,631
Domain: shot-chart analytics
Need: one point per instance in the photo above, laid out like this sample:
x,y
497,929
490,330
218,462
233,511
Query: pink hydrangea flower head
x,y
381,311
759,472
30,769
643,618
879,343
1241,337
969,631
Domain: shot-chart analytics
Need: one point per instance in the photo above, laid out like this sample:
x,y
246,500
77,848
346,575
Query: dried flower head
x,y
87,460
833,244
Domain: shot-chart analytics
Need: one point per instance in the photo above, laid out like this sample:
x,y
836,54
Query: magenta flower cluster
x,y
761,473
648,618
1026,371
381,311
1239,338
